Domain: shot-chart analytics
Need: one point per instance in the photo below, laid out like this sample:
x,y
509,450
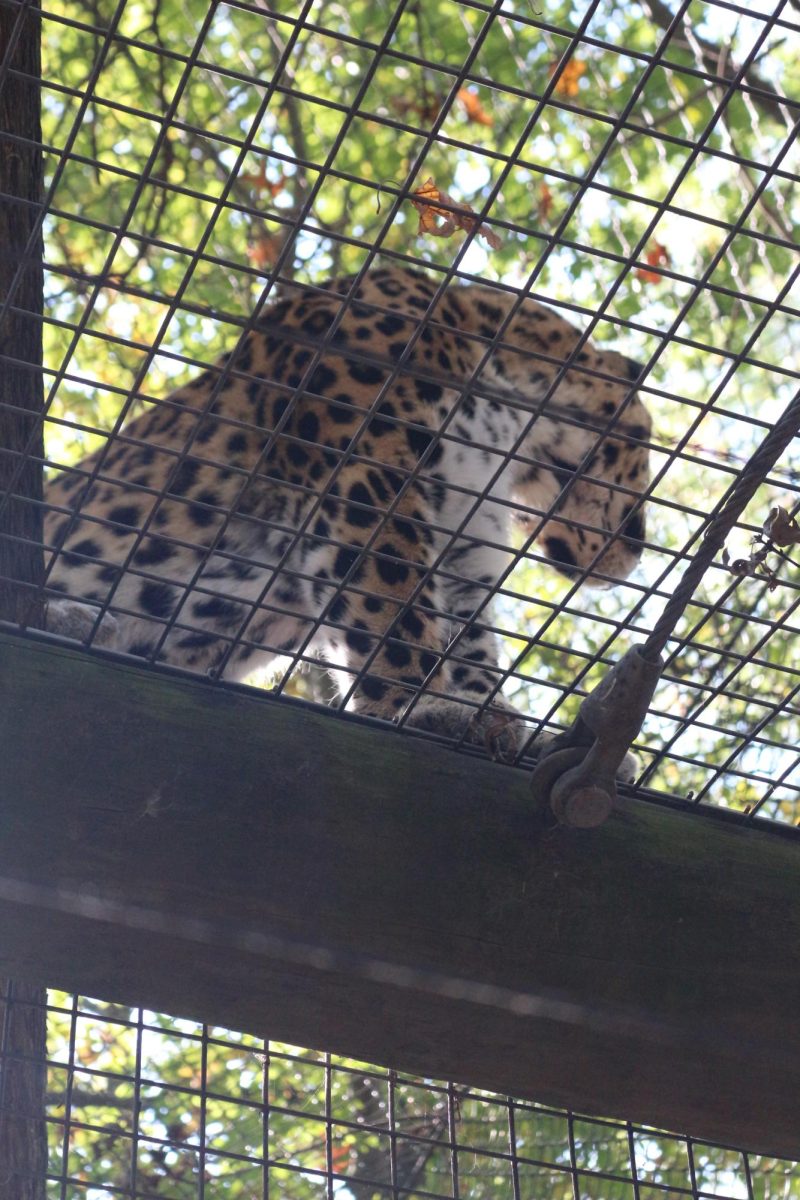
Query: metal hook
x,y
578,769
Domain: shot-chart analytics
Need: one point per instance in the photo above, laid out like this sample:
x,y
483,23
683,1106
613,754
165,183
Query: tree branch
x,y
716,60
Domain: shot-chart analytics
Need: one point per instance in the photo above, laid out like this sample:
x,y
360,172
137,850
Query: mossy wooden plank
x,y
223,855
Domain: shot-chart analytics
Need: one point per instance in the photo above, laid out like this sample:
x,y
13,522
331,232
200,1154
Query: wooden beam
x,y
23,1134
218,854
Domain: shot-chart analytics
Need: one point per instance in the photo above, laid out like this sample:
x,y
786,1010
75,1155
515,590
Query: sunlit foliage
x,y
196,150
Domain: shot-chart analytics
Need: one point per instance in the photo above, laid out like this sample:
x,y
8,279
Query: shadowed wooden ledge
x,y
221,855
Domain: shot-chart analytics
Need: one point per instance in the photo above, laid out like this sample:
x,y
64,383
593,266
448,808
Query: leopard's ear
x,y
634,369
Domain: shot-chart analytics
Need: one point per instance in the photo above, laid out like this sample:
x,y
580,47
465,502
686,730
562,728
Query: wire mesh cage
x,y
634,174
139,1104
220,176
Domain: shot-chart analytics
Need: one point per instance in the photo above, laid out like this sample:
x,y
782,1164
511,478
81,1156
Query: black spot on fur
x,y
372,687
142,649
412,624
322,378
297,455
378,486
394,480
153,550
479,686
428,662
390,571
490,311
218,608
197,641
378,426
558,550
563,470
341,409
308,427
80,550
185,477
360,494
398,654
388,285
365,373
125,514
338,609
243,358
632,528
318,322
208,428
406,530
419,440
345,558
390,324
203,516
157,599
358,641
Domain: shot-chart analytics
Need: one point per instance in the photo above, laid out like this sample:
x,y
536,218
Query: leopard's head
x,y
587,449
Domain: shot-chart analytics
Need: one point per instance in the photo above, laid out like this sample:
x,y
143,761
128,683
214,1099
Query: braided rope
x,y
740,493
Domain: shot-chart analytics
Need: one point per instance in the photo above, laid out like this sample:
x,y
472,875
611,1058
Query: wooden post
x,y
218,854
21,450
23,1151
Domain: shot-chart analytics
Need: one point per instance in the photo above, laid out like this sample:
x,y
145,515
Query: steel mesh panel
x,y
665,229
140,1104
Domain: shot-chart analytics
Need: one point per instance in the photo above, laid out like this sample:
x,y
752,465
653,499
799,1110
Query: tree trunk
x,y
23,1146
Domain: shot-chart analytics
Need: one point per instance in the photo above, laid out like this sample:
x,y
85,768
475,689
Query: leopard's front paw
x,y
629,768
498,728
72,619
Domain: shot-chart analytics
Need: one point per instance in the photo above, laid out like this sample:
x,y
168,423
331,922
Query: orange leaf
x,y
264,250
425,107
568,82
545,202
340,1157
429,109
443,222
473,108
656,256
430,214
258,180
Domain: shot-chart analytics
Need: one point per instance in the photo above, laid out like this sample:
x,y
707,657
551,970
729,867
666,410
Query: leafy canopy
x,y
194,150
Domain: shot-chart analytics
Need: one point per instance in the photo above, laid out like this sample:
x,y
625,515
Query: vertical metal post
x,y
23,1146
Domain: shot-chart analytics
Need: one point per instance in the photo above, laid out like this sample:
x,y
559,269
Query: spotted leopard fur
x,y
290,499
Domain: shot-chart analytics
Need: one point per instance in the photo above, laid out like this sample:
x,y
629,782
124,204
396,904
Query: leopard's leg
x,y
470,571
381,619
81,622
227,612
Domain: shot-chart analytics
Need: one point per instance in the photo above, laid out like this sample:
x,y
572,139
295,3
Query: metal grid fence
x,y
636,163
666,230
143,1105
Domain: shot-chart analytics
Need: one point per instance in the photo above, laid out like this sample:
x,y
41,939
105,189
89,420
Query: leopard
x,y
350,484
